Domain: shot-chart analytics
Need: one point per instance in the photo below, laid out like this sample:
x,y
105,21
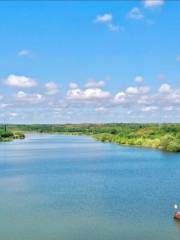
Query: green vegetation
x,y
162,136
7,135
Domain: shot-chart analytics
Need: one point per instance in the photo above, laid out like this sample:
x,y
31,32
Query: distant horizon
x,y
90,123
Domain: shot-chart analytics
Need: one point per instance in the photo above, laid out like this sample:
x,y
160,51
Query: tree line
x,y
162,136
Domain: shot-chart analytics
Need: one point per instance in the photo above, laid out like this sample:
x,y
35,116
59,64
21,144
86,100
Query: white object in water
x,y
175,206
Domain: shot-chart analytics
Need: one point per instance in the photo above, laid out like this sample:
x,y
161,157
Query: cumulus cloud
x,y
145,100
165,88
132,90
107,17
33,98
24,53
52,88
131,96
95,84
73,85
135,13
139,79
120,97
87,94
133,100
20,81
153,3
137,90
107,20
166,98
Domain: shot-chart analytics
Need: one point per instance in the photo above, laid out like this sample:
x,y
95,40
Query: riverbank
x,y
163,144
6,136
165,137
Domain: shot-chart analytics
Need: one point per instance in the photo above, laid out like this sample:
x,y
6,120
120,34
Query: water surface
x,y
74,188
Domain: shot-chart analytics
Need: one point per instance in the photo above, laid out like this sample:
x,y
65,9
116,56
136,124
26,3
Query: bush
x,y
19,135
7,134
165,141
173,146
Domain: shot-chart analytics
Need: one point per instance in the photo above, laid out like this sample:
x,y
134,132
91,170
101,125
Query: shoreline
x,y
93,136
164,137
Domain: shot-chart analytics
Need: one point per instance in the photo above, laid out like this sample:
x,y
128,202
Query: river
x,y
56,187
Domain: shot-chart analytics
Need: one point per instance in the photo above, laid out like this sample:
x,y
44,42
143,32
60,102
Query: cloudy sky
x,y
63,62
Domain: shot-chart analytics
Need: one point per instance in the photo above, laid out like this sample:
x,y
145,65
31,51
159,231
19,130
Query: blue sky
x,y
93,61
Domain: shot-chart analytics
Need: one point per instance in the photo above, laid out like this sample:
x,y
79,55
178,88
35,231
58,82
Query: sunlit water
x,y
74,188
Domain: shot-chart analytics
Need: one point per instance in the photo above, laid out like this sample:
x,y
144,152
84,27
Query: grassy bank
x,y
7,135
161,136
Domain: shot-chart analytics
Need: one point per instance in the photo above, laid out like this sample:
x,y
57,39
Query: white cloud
x,y
153,3
107,20
87,94
104,18
168,108
168,96
13,114
95,84
135,13
129,112
139,79
90,100
114,28
137,90
100,109
150,109
120,97
144,100
165,88
132,90
20,81
24,53
4,105
73,85
29,98
174,97
52,88
144,90
131,96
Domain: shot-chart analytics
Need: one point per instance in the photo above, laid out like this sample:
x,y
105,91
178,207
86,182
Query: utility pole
x,y
5,128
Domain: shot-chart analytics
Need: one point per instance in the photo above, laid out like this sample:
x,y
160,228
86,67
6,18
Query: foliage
x,y
162,136
7,135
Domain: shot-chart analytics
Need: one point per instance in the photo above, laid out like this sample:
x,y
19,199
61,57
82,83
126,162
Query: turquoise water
x,y
74,188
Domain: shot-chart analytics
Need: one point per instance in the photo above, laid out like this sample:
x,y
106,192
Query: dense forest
x,y
162,136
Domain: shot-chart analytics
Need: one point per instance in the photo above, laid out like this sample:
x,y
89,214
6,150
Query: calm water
x,y
74,188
